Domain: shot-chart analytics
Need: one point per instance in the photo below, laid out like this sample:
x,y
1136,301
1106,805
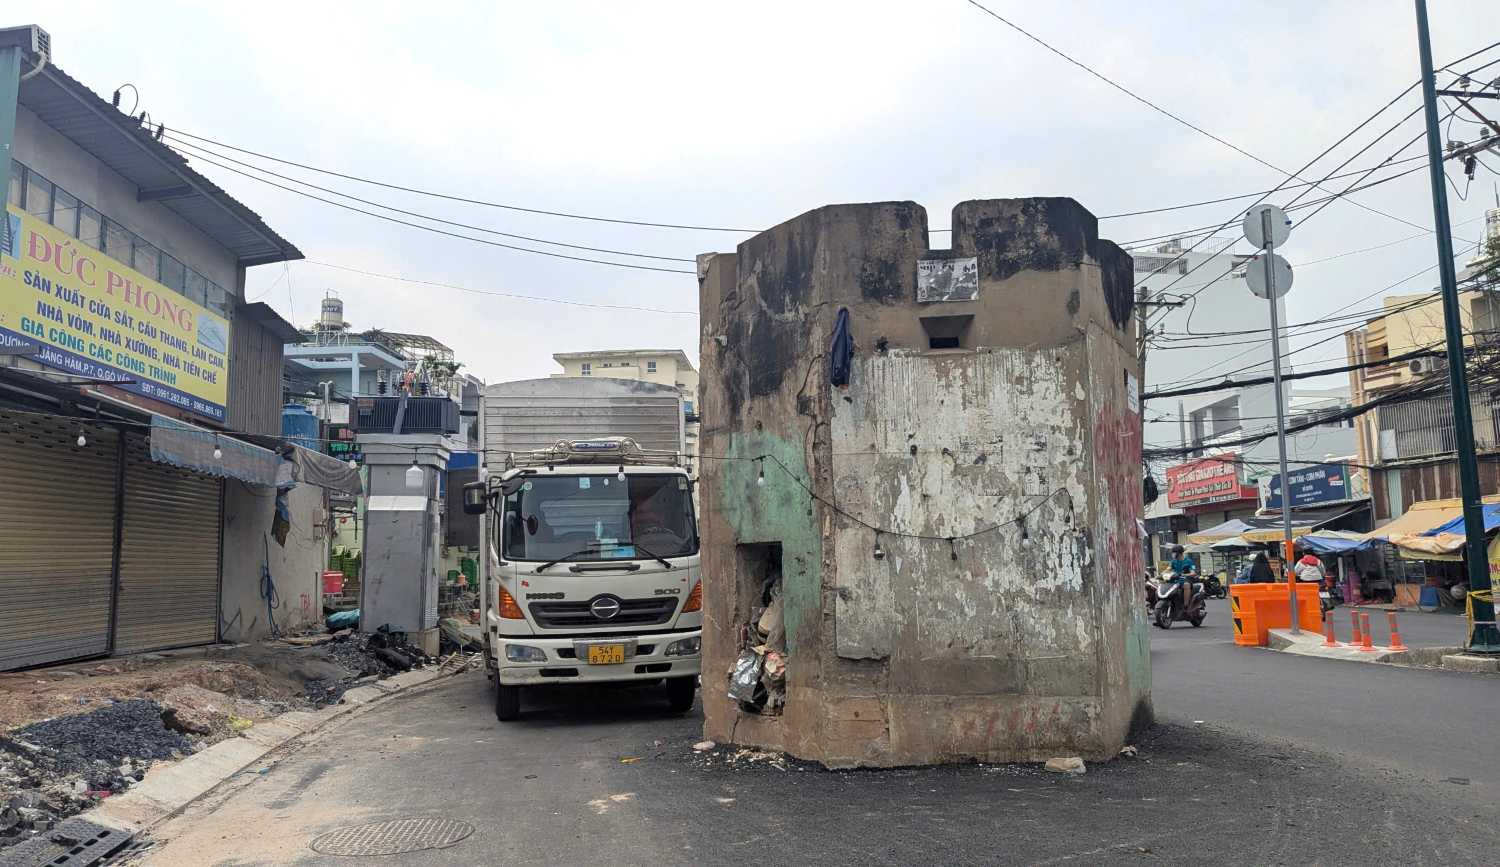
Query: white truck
x,y
590,570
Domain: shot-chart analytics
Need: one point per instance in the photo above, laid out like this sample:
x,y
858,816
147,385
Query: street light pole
x,y
1483,638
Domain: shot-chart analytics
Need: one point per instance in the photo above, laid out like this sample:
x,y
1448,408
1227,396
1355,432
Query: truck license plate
x,y
606,654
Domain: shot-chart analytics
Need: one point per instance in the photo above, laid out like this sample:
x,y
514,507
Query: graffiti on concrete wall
x,y
1117,466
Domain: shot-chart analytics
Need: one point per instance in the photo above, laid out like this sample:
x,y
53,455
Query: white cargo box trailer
x,y
532,414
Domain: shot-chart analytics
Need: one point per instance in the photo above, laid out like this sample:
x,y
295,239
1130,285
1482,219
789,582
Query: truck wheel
x,y
680,693
507,702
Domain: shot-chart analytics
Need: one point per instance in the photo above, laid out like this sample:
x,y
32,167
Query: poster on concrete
x,y
947,279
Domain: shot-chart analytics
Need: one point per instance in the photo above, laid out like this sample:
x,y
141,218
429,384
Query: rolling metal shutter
x,y
169,555
57,538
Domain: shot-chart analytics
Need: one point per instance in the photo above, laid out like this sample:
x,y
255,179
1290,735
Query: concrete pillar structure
x,y
952,538
402,538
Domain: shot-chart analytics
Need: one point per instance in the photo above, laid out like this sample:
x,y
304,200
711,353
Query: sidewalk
x,y
168,788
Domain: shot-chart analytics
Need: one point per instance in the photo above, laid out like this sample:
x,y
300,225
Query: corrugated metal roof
x,y
261,312
121,143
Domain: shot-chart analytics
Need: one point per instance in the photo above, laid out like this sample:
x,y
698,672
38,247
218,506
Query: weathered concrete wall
x,y
1022,637
295,569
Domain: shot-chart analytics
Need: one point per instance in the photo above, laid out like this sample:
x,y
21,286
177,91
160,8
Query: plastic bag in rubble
x,y
746,676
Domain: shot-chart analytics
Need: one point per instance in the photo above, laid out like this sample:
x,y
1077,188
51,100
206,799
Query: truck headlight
x,y
523,653
684,647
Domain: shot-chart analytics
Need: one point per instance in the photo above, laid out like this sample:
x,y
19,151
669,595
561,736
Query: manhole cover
x,y
393,837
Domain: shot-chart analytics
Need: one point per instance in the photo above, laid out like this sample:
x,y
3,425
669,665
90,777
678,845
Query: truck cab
x,y
591,570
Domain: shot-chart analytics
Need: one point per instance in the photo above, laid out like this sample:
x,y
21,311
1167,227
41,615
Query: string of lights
x,y
952,540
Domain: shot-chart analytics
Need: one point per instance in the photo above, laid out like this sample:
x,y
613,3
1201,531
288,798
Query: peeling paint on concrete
x,y
1013,591
1019,643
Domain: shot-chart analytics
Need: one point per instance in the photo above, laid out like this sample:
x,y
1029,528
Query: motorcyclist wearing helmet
x,y
1182,566
1183,569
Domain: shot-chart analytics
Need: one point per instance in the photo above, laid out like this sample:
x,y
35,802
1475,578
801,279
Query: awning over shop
x,y
1334,542
184,445
1421,517
1262,529
1219,532
1444,546
1490,511
326,471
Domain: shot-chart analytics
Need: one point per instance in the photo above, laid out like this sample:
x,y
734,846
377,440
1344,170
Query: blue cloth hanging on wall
x,y
841,352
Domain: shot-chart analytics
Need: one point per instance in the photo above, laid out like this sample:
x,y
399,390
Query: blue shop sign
x,y
1316,485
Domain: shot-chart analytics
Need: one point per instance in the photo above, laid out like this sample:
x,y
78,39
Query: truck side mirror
x,y
476,496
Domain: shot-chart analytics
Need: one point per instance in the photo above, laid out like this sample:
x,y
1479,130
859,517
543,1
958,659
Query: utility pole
x,y
1270,277
1143,306
1483,637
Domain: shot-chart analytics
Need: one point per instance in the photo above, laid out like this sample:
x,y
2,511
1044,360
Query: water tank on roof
x,y
300,426
332,315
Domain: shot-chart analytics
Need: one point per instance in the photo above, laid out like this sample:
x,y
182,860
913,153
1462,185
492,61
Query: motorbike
x,y
1214,588
1328,594
1171,600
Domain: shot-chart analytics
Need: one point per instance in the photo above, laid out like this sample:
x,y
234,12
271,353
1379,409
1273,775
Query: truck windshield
x,y
599,517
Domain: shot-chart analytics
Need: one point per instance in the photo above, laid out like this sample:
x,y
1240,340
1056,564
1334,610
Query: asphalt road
x,y
1433,724
1295,761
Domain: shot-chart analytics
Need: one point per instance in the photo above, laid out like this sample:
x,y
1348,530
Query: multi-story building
x,y
1410,442
1195,344
331,358
135,513
664,366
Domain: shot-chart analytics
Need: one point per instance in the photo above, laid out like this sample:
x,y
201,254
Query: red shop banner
x,y
1205,481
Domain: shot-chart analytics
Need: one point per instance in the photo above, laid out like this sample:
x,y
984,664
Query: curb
x,y
1424,658
166,791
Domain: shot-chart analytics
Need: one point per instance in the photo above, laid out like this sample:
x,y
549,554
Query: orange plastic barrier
x,y
1256,609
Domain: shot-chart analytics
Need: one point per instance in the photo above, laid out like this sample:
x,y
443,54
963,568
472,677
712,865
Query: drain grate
x,y
393,837
73,843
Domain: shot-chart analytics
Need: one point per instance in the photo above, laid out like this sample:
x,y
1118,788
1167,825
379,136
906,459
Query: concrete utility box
x,y
402,539
992,399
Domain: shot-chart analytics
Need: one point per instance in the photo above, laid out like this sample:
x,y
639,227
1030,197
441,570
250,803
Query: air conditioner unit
x,y
31,39
1424,366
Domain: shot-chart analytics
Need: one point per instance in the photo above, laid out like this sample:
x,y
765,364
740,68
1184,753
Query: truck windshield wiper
x,y
657,557
550,563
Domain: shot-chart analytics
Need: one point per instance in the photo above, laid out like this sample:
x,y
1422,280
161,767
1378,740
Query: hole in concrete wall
x,y
759,681
947,332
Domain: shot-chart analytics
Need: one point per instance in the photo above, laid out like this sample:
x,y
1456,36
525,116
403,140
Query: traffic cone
x,y
1396,644
1354,622
1328,640
1364,637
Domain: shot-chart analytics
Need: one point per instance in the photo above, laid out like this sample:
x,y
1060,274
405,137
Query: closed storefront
x,y
57,538
169,556
95,559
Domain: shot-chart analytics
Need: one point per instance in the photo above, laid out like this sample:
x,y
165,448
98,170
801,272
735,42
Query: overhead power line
x,y
495,293
438,231
463,199
1189,124
1189,380
195,150
1306,374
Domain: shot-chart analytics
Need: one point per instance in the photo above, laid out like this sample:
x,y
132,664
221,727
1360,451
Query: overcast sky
x,y
744,115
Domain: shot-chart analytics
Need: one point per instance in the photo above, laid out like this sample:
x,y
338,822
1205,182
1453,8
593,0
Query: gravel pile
x,y
55,768
124,730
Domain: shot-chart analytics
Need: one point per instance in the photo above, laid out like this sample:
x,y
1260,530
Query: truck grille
x,y
576,615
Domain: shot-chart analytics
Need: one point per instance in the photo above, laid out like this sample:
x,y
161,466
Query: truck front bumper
x,y
519,660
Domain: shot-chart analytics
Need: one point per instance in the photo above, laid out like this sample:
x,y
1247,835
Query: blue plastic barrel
x,y
1428,601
